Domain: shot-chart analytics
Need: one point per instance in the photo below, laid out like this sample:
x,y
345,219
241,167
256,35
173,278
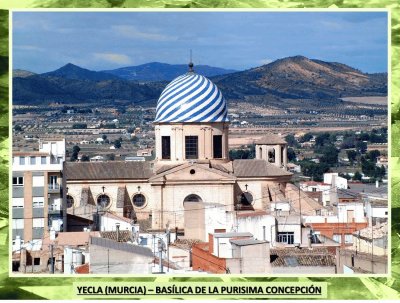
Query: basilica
x,y
191,185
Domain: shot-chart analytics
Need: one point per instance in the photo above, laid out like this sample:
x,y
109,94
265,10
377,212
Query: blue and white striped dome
x,y
191,98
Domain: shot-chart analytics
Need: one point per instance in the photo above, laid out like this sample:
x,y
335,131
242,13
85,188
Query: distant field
x,y
367,100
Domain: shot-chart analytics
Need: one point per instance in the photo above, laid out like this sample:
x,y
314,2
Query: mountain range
x,y
156,71
288,78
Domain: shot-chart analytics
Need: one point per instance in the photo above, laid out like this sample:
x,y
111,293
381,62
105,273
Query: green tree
x,y
314,170
17,128
352,155
307,137
361,147
329,154
322,139
291,141
357,176
117,144
79,126
104,137
373,154
291,154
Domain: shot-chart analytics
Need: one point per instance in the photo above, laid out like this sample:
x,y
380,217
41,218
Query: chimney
x,y
117,227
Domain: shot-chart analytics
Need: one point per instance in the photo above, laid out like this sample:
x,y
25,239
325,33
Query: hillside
x,y
156,71
22,73
279,83
71,71
302,78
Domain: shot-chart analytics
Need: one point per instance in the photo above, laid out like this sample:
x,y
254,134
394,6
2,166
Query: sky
x,y
45,41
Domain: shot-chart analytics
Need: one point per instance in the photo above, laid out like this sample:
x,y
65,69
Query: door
x,y
350,216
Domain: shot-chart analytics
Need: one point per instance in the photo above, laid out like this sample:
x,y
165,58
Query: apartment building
x,y
37,195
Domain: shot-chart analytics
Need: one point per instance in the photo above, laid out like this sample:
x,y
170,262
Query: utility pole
x,y
160,256
108,261
51,259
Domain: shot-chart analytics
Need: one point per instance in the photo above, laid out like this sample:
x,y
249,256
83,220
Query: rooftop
x,y
245,242
375,232
257,168
233,235
107,170
271,139
293,257
131,248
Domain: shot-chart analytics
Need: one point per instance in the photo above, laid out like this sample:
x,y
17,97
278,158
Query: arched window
x,y
70,201
271,155
103,201
193,198
139,200
246,198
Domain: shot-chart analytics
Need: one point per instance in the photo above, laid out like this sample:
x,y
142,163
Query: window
x,y
271,155
17,202
36,261
18,223
70,201
286,237
33,160
348,238
59,160
192,198
43,160
21,160
314,189
337,238
217,146
38,222
166,147
191,147
246,198
103,201
139,200
37,202
18,181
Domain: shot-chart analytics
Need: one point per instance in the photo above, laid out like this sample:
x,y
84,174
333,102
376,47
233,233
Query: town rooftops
x,y
294,257
379,203
107,170
131,248
257,168
124,235
271,139
246,242
346,194
376,232
233,235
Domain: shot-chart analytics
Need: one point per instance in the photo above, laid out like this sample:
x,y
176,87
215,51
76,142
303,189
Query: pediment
x,y
194,173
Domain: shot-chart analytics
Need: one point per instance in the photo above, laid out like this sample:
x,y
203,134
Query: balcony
x,y
54,209
54,188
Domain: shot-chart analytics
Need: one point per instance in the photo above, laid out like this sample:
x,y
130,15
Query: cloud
x,y
113,58
28,48
132,32
265,61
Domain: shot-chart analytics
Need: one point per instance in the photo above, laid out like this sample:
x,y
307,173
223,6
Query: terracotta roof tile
x,y
293,257
107,170
257,168
271,139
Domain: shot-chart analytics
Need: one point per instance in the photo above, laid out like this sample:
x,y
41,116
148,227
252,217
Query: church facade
x,y
192,185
